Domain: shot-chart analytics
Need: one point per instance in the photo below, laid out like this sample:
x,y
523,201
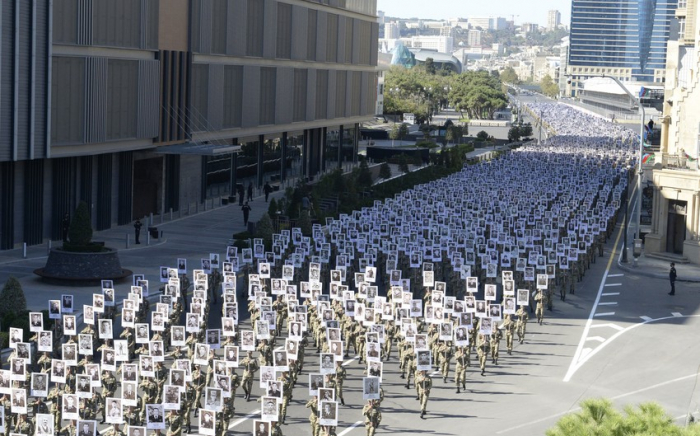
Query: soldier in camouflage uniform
x,y
312,405
174,424
521,324
483,351
424,383
373,417
250,366
462,363
340,376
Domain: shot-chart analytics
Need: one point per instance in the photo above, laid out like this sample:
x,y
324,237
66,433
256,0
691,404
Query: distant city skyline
x,y
521,11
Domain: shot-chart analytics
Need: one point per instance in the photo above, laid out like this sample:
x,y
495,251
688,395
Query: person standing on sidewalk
x,y
672,278
137,230
250,191
246,213
267,189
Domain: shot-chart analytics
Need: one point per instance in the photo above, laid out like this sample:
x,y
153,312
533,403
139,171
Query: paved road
x,y
620,336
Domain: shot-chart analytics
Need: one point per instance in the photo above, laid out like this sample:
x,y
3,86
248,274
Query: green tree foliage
x,y
514,134
598,417
364,177
414,91
548,87
12,300
385,170
80,230
304,223
272,208
526,130
403,163
509,76
477,93
482,136
394,133
403,131
264,230
430,66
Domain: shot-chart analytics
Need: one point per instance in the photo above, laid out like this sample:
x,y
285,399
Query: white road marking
x,y
676,314
605,314
576,409
613,284
646,318
245,418
607,303
611,294
578,358
616,275
348,430
612,326
582,360
349,361
596,338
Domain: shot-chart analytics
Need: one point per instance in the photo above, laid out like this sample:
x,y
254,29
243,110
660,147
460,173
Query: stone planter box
x,y
86,269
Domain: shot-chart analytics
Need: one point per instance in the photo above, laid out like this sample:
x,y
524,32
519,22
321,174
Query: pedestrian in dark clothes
x,y
250,191
672,278
246,213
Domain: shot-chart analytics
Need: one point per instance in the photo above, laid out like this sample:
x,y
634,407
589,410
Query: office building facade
x,y
553,20
622,38
136,106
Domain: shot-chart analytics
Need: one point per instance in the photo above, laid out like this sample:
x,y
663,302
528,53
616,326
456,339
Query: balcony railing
x,y
677,161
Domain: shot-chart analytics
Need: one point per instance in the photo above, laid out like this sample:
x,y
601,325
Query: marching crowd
x,y
438,273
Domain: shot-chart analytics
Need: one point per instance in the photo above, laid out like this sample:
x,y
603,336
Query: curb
x,y
642,272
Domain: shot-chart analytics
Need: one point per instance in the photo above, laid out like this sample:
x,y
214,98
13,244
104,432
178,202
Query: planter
x,y
82,269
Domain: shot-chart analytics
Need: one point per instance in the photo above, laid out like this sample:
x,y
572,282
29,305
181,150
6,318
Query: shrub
x,y
265,230
482,136
403,163
80,231
272,208
385,171
12,300
364,178
305,223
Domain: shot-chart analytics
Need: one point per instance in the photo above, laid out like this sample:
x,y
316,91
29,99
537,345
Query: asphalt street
x,y
620,336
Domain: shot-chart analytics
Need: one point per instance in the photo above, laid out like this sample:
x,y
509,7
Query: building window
x,y
256,28
681,28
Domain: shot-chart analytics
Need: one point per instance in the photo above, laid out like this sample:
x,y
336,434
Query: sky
x,y
525,11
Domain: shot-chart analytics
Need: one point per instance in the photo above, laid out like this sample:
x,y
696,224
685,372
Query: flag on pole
x,y
647,157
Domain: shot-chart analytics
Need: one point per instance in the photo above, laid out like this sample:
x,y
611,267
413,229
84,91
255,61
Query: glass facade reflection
x,y
630,34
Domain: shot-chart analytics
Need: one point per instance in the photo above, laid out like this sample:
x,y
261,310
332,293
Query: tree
x,y
598,417
430,66
264,230
514,134
403,163
526,130
385,171
450,134
510,76
364,177
482,136
403,131
548,87
304,223
80,230
12,300
272,209
394,133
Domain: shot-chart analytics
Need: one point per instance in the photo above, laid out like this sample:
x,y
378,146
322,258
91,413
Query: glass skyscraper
x,y
622,38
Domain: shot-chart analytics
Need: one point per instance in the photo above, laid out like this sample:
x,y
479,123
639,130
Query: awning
x,y
199,149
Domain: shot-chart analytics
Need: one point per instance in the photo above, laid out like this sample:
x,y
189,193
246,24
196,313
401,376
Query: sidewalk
x,y
658,268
